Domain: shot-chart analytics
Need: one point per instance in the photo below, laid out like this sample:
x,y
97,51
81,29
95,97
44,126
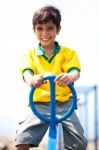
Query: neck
x,y
49,52
48,47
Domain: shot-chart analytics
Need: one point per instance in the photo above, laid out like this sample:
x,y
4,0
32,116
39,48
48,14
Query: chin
x,y
45,44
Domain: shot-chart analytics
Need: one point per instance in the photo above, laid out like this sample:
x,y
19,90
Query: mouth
x,y
45,39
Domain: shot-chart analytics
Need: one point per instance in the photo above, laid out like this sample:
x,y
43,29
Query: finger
x,y
44,81
58,77
64,85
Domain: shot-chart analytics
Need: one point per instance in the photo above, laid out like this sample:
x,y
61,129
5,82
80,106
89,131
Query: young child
x,y
50,58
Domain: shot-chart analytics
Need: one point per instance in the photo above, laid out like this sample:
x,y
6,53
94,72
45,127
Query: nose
x,y
44,32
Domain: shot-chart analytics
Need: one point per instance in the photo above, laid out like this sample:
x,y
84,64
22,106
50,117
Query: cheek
x,y
54,34
37,34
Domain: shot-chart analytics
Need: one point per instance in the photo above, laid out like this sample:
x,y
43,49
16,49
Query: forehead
x,y
50,23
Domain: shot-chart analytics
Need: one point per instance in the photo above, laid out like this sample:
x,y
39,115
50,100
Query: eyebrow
x,y
40,25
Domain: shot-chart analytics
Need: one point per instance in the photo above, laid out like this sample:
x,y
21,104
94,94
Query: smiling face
x,y
46,34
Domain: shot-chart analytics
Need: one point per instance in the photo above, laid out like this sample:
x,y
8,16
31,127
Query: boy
x,y
50,57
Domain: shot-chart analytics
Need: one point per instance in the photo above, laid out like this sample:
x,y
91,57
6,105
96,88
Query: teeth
x,y
45,39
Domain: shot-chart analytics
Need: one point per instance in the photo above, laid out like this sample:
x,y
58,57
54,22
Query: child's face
x,y
46,33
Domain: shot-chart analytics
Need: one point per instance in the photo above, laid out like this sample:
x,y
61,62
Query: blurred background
x,y
80,31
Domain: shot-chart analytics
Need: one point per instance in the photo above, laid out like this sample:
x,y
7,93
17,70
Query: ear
x,y
33,28
58,29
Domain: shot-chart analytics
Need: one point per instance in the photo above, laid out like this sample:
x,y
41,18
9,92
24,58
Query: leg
x,y
73,134
72,130
30,133
23,147
3,146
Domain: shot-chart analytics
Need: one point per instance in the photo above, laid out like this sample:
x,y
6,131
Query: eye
x,y
50,28
39,29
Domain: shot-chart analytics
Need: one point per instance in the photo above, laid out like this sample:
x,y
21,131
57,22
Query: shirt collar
x,y
40,50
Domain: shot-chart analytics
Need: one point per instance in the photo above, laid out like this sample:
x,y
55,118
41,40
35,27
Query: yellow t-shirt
x,y
62,60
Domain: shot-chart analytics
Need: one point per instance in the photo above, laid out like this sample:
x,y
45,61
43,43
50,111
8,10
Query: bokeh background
x,y
80,31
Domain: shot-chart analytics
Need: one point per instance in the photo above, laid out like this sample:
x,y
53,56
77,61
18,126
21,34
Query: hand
x,y
37,81
33,80
65,79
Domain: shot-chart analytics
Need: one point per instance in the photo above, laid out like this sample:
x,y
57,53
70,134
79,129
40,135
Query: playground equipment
x,y
86,110
53,120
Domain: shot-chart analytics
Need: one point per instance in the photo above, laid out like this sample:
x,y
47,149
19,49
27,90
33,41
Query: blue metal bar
x,y
51,144
96,117
52,129
53,120
72,107
52,109
60,139
31,102
85,90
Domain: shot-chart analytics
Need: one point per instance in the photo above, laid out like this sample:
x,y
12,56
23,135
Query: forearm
x,y
28,77
33,80
75,74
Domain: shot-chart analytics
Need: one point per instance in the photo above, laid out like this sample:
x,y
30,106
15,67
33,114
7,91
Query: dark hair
x,y
46,14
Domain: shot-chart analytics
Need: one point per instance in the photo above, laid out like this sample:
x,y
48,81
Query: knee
x,y
82,145
79,145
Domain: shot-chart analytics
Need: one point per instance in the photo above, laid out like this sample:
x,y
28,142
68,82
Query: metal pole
x,y
96,118
60,140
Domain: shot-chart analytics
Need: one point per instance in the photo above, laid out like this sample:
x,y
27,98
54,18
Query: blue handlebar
x,y
53,120
52,102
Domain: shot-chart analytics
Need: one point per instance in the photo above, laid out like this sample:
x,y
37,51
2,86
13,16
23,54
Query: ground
x,y
9,141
